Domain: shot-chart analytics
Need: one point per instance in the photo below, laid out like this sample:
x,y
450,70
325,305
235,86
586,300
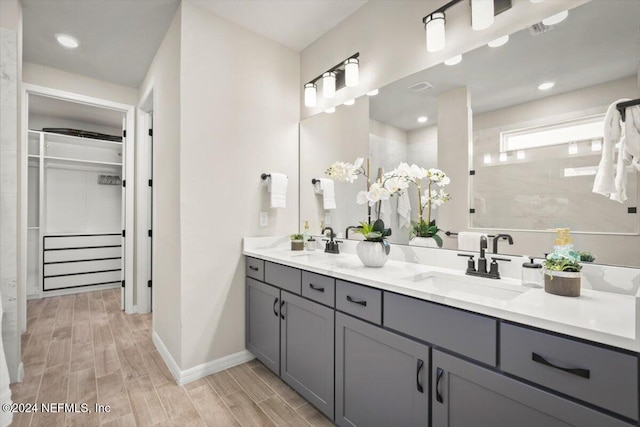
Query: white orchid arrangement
x,y
347,172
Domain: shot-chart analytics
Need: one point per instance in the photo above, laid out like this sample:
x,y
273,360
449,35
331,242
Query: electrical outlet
x,y
264,219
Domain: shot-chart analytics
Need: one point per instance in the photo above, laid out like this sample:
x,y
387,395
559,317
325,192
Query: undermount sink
x,y
463,285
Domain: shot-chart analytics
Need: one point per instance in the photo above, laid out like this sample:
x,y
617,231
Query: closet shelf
x,y
80,161
78,140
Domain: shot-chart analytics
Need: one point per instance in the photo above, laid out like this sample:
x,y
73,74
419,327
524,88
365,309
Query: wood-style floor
x,y
82,349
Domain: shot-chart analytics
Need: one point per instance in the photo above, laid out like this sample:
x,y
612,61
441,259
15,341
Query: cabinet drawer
x,y
319,288
599,376
287,278
255,268
359,301
469,334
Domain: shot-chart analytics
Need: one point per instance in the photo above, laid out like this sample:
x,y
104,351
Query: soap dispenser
x,y
532,275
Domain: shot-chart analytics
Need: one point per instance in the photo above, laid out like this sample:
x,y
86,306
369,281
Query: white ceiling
x,y
59,109
293,23
598,42
118,38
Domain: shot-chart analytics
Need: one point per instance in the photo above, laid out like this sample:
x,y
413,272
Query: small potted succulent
x,y
562,275
587,256
374,250
297,242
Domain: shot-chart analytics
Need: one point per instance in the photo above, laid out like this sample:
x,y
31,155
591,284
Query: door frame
x,y
127,171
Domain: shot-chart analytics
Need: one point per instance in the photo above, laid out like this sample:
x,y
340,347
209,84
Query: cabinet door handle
x,y
275,306
282,312
251,267
418,370
439,373
584,373
316,288
356,300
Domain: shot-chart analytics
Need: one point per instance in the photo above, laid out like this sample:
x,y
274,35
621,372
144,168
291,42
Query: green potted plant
x,y
297,242
425,232
587,256
374,250
562,276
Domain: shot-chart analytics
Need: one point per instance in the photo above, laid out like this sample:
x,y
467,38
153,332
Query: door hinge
x,y
150,233
124,133
123,283
124,182
124,234
148,283
150,183
150,132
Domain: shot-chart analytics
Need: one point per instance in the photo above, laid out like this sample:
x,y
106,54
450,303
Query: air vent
x,y
420,87
539,28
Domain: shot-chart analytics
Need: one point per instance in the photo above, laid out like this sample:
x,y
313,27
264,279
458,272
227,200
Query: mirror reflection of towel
x,y
469,240
404,210
325,187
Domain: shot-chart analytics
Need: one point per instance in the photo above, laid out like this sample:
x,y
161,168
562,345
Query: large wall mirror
x,y
533,151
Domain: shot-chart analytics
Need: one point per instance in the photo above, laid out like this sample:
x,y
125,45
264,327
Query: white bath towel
x,y
605,178
277,186
325,186
632,130
404,210
469,240
385,212
628,152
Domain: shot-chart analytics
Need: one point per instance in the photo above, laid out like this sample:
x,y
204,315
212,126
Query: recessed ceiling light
x,y
546,85
453,61
67,41
423,119
556,19
499,42
350,102
373,92
330,110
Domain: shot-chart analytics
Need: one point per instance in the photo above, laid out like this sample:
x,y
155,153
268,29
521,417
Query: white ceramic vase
x,y
425,242
373,254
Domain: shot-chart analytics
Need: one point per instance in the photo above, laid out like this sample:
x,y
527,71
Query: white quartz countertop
x,y
603,317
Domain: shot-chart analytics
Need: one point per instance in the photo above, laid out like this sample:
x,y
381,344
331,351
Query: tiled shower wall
x,y
9,197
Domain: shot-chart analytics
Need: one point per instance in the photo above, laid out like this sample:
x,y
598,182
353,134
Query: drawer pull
x,y
439,373
316,288
281,311
357,300
418,370
275,305
584,373
251,267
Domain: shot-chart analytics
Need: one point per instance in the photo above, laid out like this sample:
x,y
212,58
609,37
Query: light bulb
x,y
423,119
350,102
310,95
67,41
351,73
373,92
434,29
454,60
499,41
546,85
330,110
556,19
329,84
481,14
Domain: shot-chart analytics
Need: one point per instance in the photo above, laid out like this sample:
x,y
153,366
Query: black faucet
x,y
493,272
501,237
332,245
351,227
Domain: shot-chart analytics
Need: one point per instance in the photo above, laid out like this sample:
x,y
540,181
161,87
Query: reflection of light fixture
x,y
329,84
546,85
434,29
520,154
536,1
487,158
351,75
499,41
343,74
310,95
373,92
67,41
503,156
573,148
596,145
423,119
454,60
481,14
330,110
350,102
556,19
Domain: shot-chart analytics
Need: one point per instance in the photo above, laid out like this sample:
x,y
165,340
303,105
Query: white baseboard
x,y
200,371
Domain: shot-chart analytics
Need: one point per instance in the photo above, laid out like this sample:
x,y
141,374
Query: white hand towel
x,y
385,212
620,195
277,186
632,130
404,210
605,181
469,240
326,187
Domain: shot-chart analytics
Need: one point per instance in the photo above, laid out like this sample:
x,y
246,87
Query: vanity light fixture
x,y
501,41
340,75
330,110
310,90
67,41
546,85
373,92
329,84
503,156
423,119
573,148
434,29
520,155
487,158
482,13
556,19
454,60
350,102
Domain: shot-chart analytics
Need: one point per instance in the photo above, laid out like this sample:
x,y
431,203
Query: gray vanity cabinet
x,y
306,350
263,323
465,394
382,379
